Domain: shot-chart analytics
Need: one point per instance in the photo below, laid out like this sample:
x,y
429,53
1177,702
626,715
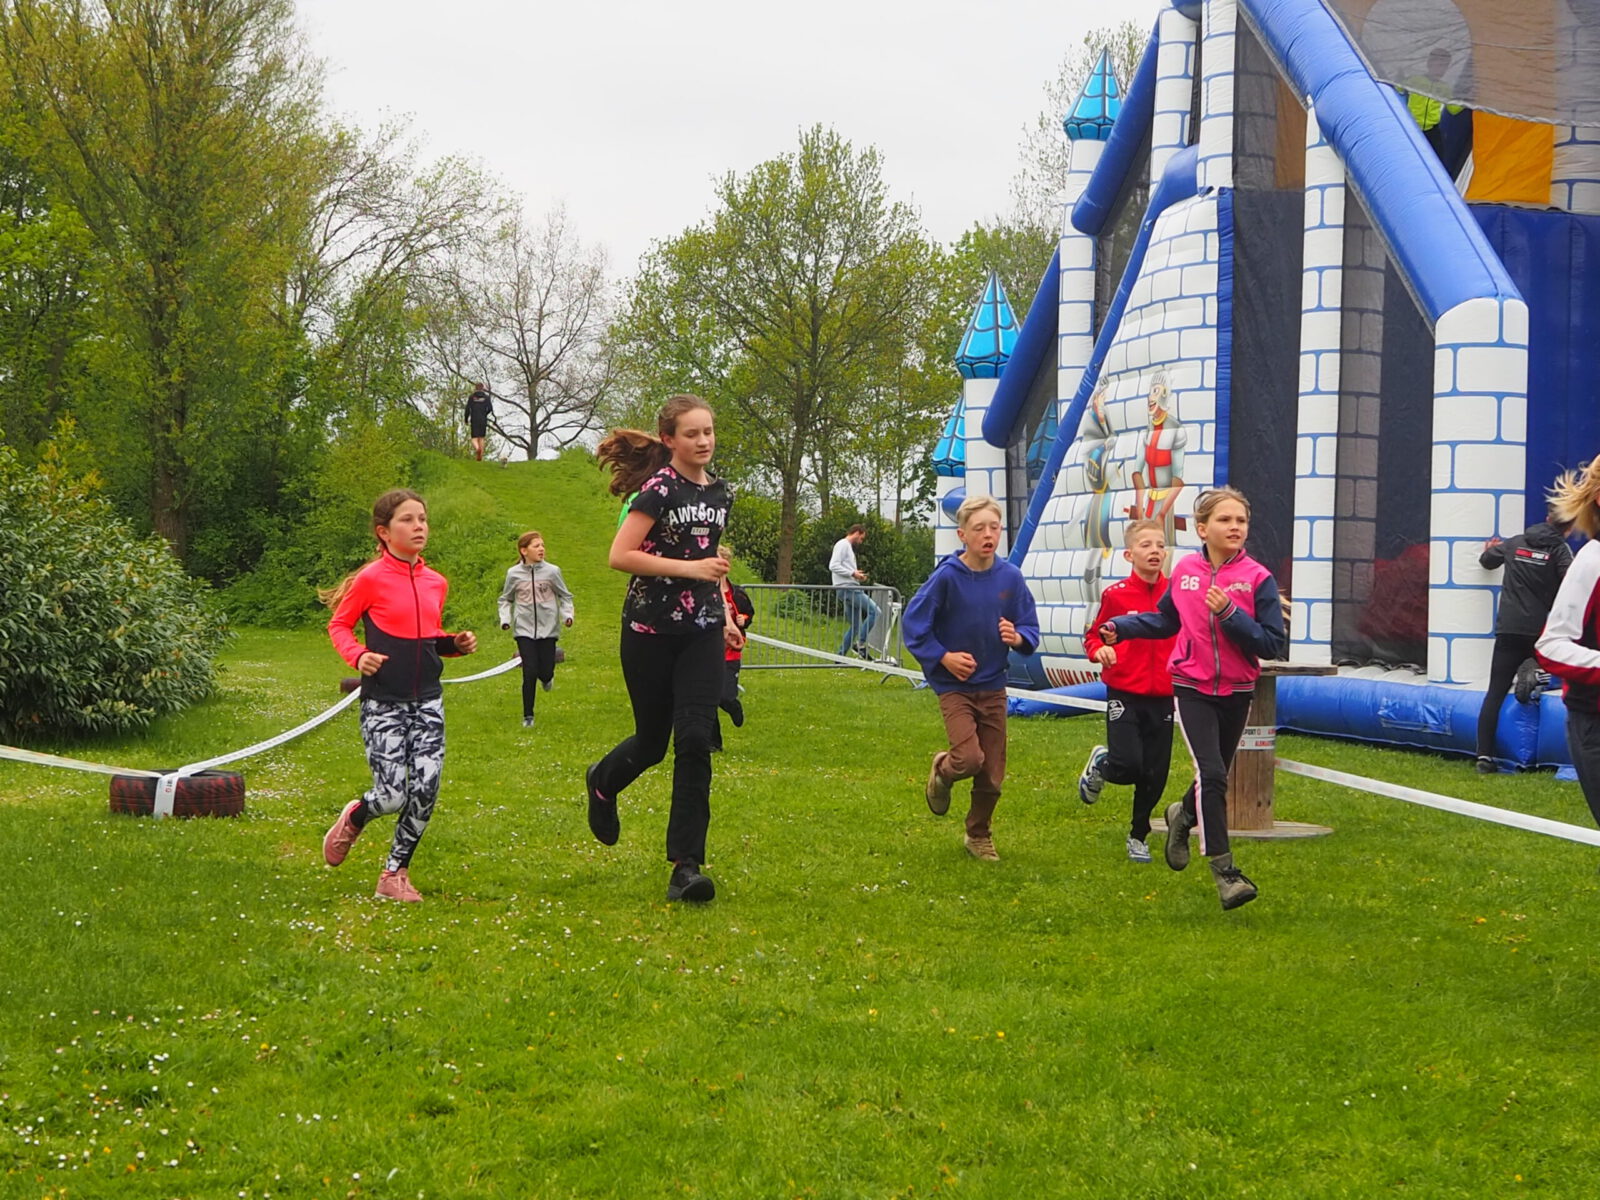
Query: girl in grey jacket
x,y
536,606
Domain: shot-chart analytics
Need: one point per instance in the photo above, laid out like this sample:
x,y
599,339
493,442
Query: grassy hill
x,y
202,1009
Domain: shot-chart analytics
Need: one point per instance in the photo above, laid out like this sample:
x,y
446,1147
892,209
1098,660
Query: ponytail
x,y
633,455
1574,496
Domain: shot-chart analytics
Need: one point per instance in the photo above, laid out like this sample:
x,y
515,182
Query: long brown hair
x,y
382,513
1573,498
633,455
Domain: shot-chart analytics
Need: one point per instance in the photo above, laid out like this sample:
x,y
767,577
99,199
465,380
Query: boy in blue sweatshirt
x,y
961,626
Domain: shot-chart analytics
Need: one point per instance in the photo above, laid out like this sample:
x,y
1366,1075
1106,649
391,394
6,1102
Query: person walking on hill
x,y
477,413
676,627
1535,562
535,605
399,600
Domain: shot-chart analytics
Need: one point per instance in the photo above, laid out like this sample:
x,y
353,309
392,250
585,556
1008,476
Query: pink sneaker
x,y
337,841
396,885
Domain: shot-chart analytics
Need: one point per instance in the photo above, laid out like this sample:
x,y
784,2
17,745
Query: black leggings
x,y
1583,740
538,665
1139,750
1511,650
674,683
1211,727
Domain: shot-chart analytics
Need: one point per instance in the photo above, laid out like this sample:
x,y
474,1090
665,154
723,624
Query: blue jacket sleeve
x,y
916,623
1027,619
1262,634
1163,623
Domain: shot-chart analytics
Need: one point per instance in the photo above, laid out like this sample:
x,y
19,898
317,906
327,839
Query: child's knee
x,y
695,730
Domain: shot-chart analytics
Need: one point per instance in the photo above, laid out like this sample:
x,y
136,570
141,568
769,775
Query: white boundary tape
x,y
167,787
1465,808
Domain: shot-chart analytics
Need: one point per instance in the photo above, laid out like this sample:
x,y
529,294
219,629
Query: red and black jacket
x,y
1141,666
400,605
1569,647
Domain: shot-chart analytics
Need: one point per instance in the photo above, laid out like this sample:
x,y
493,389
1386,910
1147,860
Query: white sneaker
x,y
1137,851
1090,781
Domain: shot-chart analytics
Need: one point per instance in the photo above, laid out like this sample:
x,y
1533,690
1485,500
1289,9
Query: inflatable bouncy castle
x,y
1341,254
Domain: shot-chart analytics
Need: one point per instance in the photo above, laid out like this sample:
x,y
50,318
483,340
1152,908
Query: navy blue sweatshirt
x,y
959,609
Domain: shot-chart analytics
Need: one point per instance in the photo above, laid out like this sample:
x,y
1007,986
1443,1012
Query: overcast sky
x,y
628,109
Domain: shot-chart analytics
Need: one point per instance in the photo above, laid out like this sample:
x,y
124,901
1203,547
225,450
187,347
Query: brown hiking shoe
x,y
938,789
982,847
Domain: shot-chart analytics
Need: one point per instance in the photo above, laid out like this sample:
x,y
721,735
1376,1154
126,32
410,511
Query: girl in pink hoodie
x,y
1223,607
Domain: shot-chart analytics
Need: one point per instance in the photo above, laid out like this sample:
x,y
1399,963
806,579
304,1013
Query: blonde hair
x,y
634,455
1574,496
1211,497
1142,525
974,504
383,510
527,539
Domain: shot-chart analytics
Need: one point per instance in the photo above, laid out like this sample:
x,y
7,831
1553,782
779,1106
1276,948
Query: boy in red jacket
x,y
1138,746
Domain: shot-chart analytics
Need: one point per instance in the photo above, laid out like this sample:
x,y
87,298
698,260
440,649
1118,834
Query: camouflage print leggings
x,y
405,749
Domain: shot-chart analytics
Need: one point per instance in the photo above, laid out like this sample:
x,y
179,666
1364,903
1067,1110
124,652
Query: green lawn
x,y
202,1009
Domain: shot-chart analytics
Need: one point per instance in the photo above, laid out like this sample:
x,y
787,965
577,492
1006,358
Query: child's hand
x,y
466,641
1108,633
569,622
1216,599
370,661
732,638
960,664
1009,634
1106,656
503,625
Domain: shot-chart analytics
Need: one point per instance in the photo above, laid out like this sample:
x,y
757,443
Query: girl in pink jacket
x,y
1224,609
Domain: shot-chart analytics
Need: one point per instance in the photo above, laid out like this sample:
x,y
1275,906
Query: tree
x,y
172,129
532,303
800,294
1045,152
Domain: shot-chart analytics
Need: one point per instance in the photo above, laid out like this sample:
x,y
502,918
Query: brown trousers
x,y
975,723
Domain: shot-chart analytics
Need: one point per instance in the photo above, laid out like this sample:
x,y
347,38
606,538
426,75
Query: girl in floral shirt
x,y
675,628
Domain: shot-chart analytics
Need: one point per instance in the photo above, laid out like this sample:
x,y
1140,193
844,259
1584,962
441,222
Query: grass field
x,y
202,1009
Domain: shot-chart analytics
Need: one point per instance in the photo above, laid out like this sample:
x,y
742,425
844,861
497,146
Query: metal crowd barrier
x,y
814,615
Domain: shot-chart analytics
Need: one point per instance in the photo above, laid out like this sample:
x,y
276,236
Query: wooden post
x,y
1251,780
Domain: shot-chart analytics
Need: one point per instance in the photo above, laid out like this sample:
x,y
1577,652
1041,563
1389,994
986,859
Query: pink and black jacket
x,y
1569,647
1217,654
400,605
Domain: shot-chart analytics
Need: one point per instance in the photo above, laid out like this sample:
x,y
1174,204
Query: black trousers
x,y
1139,750
538,664
674,683
1583,739
1212,727
1511,650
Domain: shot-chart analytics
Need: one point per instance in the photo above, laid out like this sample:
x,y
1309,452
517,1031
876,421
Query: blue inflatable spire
x,y
1095,110
990,336
950,451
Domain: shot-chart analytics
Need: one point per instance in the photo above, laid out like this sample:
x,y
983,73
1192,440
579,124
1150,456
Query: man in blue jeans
x,y
858,606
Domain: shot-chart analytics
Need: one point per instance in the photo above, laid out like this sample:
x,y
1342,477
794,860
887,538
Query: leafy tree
x,y
171,128
800,294
1045,152
100,629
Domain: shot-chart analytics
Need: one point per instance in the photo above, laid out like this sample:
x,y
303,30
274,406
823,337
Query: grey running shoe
x,y
1090,779
1138,851
1178,827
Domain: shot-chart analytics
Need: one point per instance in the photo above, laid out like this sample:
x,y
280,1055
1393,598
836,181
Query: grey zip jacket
x,y
536,596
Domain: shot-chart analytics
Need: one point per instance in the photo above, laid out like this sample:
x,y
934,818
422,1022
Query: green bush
x,y
100,629
898,558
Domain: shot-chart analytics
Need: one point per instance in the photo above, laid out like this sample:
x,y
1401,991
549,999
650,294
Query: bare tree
x,y
1045,152
532,304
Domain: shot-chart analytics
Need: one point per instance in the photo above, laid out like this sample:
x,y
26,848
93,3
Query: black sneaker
x,y
1178,827
735,713
688,884
1486,765
545,683
603,821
